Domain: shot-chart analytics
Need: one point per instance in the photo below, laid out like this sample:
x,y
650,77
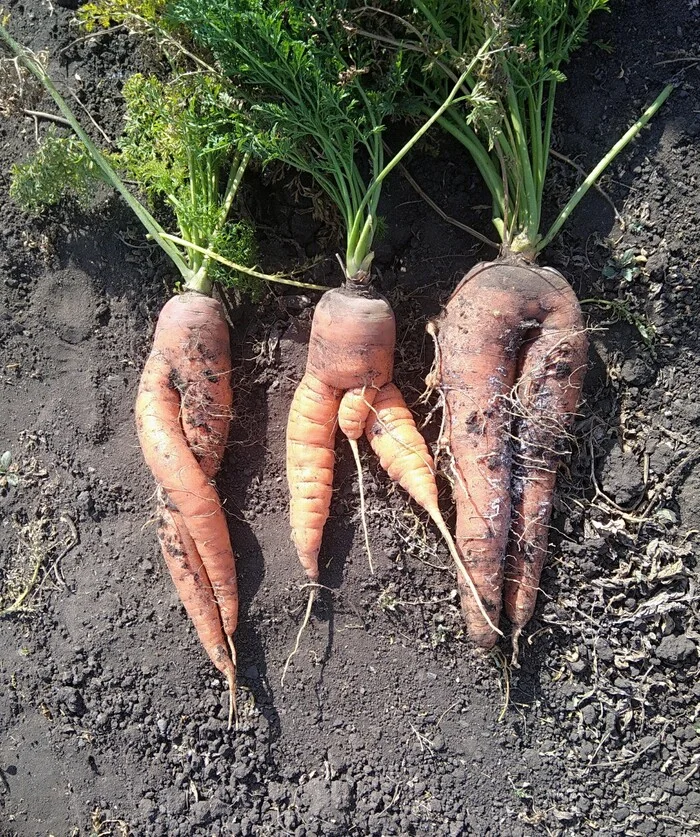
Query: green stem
x,y
200,280
358,254
547,138
627,137
430,17
234,182
267,277
527,212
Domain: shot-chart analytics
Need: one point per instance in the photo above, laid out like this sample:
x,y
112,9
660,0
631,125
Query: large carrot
x,y
510,344
507,323
183,406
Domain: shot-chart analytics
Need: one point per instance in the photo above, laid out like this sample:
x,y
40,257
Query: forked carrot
x,y
510,345
351,351
507,322
183,411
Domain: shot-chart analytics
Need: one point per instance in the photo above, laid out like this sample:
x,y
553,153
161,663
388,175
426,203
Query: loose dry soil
x,y
112,721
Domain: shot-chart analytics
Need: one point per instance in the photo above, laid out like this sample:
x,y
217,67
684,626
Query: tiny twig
x,y
90,117
92,35
50,117
231,680
441,212
74,541
620,220
677,60
500,658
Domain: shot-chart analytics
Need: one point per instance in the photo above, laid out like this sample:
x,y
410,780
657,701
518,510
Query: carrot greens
x,y
510,141
184,145
318,97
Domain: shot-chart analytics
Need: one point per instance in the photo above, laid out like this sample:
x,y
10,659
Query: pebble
x,y
675,649
621,814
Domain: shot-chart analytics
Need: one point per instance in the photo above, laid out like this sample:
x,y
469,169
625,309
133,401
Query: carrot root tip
x,y
232,708
514,659
302,628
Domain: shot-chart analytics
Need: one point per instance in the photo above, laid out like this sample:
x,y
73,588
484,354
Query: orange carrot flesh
x,y
185,394
193,587
352,341
355,407
311,428
402,450
481,334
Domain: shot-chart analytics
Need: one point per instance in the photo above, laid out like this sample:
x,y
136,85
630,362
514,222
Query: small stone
x,y
604,651
622,477
276,792
200,812
589,715
341,795
621,814
635,371
675,649
148,808
438,743
656,264
72,700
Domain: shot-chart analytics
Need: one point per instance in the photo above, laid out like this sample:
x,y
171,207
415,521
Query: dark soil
x,y
112,720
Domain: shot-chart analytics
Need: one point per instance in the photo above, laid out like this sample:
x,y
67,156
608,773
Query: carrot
x,y
506,323
194,589
348,381
350,357
510,344
311,428
183,410
183,406
550,376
